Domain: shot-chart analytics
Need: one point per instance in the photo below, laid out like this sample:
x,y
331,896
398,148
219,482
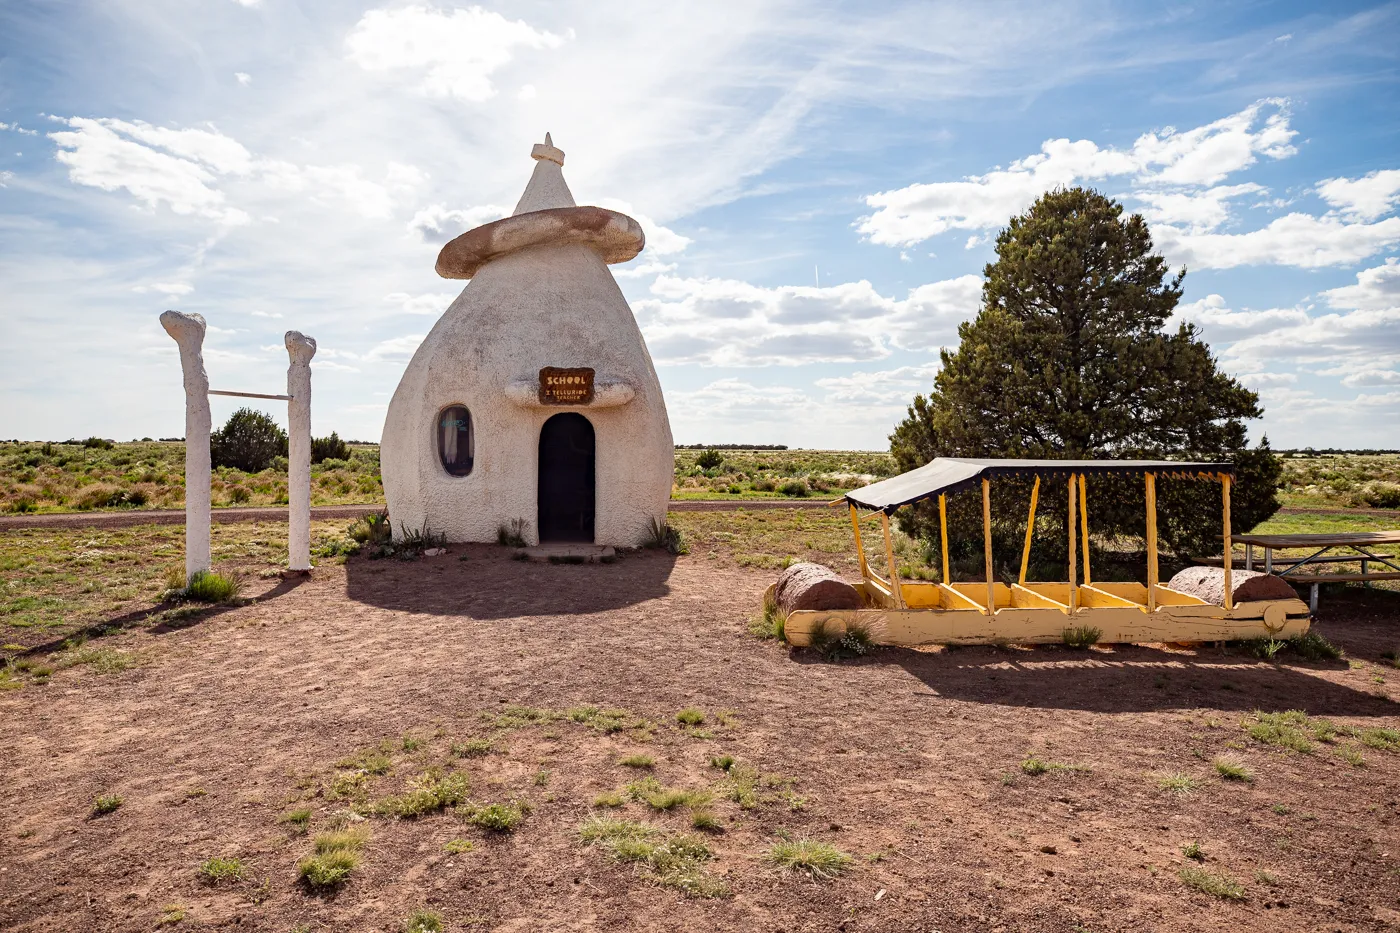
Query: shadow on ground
x,y
1136,678
481,581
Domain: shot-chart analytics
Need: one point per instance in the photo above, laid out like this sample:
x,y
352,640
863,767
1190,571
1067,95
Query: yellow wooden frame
x,y
923,613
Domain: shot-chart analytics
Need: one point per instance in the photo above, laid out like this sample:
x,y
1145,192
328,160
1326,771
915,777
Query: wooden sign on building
x,y
560,386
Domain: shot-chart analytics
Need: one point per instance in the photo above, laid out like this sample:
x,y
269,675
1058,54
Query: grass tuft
x,y
298,820
423,921
106,803
1081,636
675,861
1177,783
206,586
1222,886
1232,769
336,855
429,794
1290,729
638,761
1313,647
497,817
219,869
472,748
1386,740
610,799
1193,851
690,716
458,846
818,859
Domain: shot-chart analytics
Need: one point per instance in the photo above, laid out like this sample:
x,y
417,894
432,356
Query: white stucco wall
x,y
542,306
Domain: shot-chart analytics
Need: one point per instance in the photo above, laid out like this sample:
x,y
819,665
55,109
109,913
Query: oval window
x,y
456,444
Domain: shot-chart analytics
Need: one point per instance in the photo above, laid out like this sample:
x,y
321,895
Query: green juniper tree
x,y
248,442
1071,357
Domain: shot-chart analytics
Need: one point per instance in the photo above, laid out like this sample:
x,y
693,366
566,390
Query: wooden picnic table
x,y
1362,542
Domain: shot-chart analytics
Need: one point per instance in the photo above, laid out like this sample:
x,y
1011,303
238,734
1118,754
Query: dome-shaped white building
x,y
533,403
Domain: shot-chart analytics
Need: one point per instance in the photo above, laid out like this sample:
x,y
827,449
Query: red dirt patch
x,y
909,760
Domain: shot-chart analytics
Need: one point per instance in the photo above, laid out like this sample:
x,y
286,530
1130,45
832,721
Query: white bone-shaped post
x,y
300,350
188,331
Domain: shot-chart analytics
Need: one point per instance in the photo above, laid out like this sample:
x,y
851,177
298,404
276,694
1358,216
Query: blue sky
x,y
819,183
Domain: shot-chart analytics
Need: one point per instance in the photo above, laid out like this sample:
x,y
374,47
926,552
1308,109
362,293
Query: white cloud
x,y
243,78
1199,211
1158,159
183,168
433,303
98,156
1220,323
1366,198
724,322
455,51
1375,288
437,223
1372,377
1292,240
170,289
886,387
5,176
267,314
395,349
526,92
1268,380
16,128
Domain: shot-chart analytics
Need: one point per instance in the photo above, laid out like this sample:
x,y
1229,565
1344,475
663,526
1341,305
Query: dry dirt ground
x,y
909,761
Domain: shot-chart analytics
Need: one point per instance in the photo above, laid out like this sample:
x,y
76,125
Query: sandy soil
x,y
908,760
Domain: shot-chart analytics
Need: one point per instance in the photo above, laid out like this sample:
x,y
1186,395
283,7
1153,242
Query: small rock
x,y
434,551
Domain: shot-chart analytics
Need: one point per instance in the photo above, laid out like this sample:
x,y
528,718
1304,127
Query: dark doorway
x,y
566,479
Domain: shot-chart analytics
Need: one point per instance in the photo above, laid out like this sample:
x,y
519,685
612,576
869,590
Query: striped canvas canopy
x,y
950,474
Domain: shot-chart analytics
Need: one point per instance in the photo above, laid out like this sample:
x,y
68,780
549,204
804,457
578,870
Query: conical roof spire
x,y
547,187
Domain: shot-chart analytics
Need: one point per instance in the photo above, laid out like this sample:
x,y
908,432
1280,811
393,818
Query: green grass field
x,y
68,477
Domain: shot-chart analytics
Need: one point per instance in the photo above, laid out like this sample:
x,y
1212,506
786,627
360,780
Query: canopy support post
x,y
1229,545
1084,523
987,543
943,532
860,548
895,589
1030,526
1073,515
1151,479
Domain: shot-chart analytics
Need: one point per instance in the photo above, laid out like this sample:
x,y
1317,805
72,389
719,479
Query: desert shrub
x,y
1313,647
795,488
856,641
206,586
665,537
511,534
709,460
329,448
1081,636
99,496
106,803
248,441
98,443
373,529
239,494
764,485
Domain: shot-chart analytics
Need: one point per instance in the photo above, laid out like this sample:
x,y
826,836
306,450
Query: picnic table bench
x,y
1361,542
